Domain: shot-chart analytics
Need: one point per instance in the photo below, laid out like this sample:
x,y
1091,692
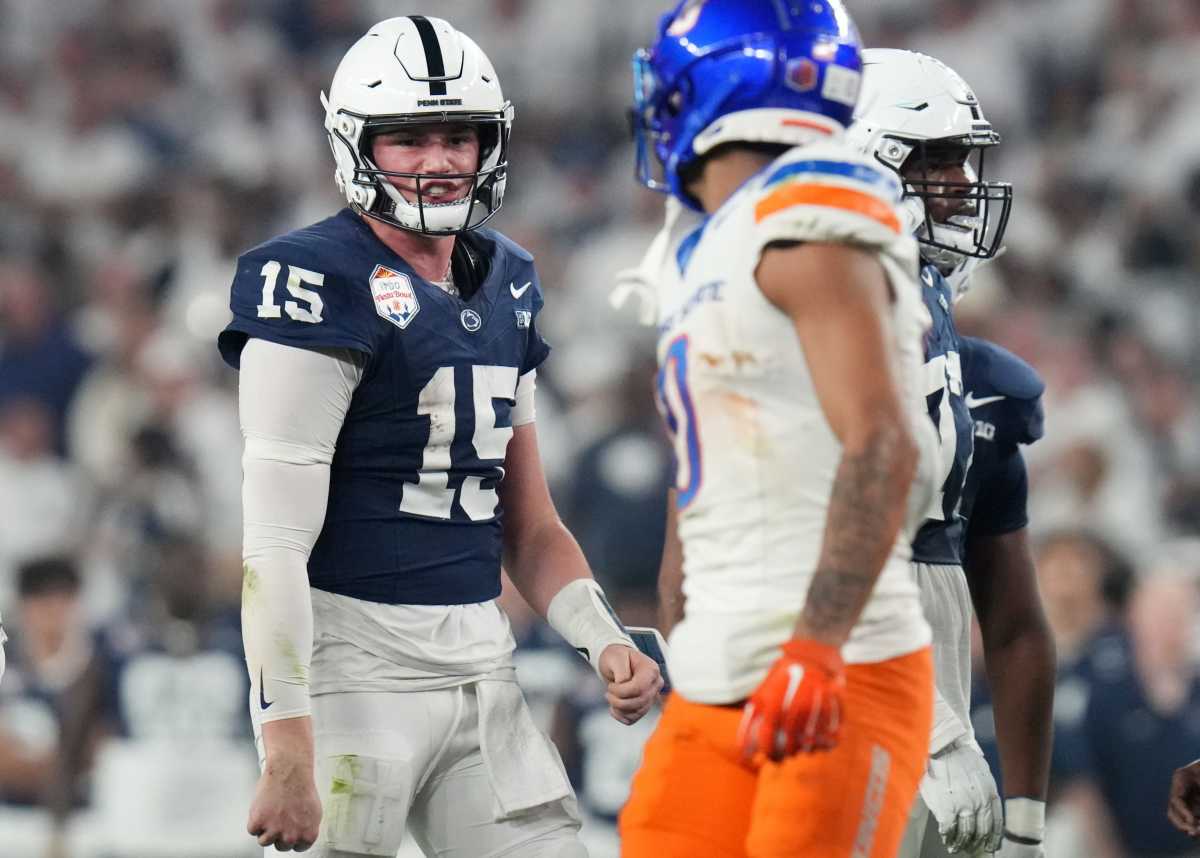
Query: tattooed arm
x,y
838,299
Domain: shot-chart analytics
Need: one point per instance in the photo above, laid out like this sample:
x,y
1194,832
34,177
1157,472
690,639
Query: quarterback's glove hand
x,y
960,792
798,707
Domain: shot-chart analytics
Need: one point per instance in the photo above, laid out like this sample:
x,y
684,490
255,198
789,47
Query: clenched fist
x,y
798,707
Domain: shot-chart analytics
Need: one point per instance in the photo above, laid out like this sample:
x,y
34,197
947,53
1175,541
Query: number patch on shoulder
x,y
268,309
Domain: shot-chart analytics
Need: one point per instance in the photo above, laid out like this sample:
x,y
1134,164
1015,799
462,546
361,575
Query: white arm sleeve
x,y
523,412
292,402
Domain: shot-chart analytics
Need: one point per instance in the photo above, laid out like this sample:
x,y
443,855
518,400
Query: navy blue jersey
x,y
940,538
1005,397
413,515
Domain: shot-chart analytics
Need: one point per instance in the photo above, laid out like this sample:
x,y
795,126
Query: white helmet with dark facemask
x,y
914,115
416,71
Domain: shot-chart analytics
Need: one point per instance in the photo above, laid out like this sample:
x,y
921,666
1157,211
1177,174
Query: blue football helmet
x,y
755,71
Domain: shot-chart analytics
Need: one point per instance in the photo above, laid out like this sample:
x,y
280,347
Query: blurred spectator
x,y
1142,720
44,504
57,702
184,736
40,357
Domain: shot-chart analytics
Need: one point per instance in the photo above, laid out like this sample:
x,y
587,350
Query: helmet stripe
x,y
435,66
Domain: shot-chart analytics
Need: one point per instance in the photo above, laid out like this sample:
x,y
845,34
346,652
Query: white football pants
x,y
394,765
946,601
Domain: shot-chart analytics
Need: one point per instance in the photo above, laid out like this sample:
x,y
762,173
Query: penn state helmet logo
x,y
471,320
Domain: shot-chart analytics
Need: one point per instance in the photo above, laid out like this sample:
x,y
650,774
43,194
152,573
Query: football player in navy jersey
x,y
387,359
919,118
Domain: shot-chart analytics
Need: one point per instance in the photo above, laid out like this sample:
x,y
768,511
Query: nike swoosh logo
x,y
262,697
517,293
973,403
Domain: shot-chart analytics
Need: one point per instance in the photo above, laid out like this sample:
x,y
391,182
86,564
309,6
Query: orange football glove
x,y
798,707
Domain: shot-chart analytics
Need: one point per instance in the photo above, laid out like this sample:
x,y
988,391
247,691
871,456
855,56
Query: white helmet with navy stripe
x,y
914,111
409,71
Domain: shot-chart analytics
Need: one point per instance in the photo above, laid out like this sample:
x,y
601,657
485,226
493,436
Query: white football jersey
x,y
756,456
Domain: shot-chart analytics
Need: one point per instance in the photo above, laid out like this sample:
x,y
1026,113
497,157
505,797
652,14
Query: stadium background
x,y
146,142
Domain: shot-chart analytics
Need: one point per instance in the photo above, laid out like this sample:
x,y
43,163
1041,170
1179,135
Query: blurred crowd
x,y
147,142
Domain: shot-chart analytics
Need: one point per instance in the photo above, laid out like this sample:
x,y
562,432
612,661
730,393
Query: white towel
x,y
524,768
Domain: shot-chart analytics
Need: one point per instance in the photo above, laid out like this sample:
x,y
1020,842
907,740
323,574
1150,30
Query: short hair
x,y
1116,572
47,575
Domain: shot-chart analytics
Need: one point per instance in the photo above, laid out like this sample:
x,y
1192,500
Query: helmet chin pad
x,y
421,216
948,244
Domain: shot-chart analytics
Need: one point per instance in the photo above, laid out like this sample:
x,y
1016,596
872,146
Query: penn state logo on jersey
x,y
471,320
413,510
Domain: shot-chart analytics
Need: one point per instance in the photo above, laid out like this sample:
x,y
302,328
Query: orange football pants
x,y
693,796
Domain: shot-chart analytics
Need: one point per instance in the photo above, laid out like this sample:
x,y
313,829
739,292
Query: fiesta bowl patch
x,y
395,298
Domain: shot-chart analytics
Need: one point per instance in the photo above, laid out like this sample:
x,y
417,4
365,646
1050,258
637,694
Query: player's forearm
x,y
288,744
1021,675
549,569
866,510
544,560
670,572
1019,654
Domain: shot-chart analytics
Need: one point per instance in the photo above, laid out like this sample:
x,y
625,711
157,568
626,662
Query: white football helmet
x,y
914,113
408,71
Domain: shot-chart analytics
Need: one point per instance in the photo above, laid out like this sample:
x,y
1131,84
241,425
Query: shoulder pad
x,y
301,289
514,260
828,191
504,244
1001,370
990,371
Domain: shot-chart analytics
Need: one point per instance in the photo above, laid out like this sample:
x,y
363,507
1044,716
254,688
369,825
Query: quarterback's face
x,y
430,150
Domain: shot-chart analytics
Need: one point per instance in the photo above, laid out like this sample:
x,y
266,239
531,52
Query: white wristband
x,y
1025,818
581,614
